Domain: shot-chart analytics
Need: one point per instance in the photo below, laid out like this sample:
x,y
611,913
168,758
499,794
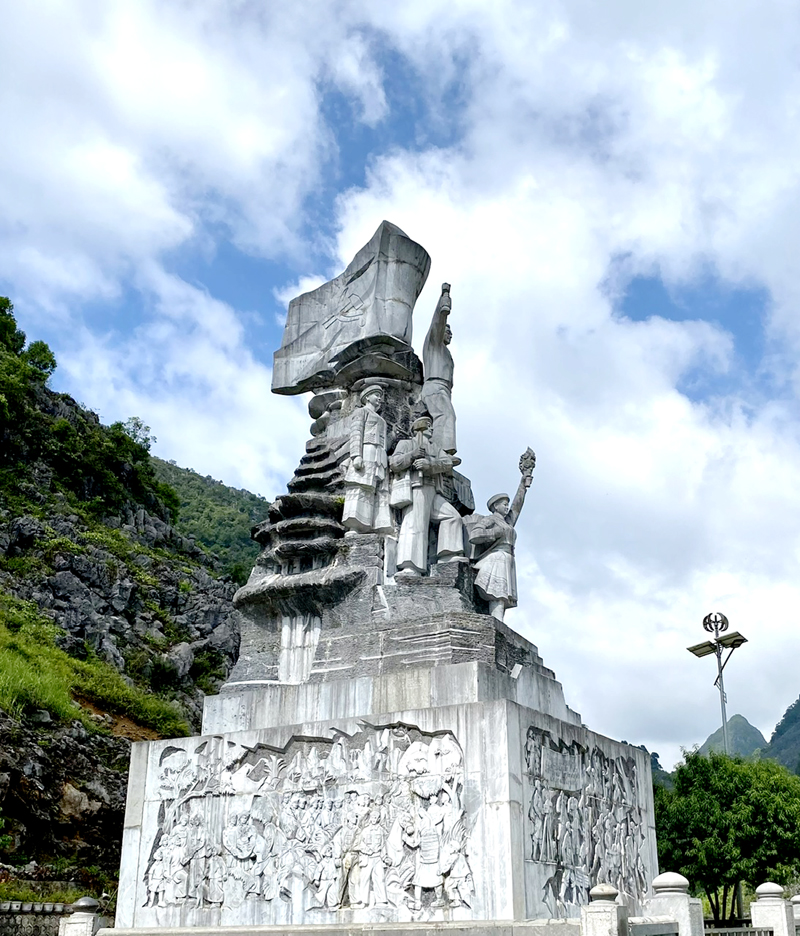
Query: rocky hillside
x,y
784,745
113,621
218,517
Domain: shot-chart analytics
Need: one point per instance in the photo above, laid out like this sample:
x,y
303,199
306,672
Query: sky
x,y
611,189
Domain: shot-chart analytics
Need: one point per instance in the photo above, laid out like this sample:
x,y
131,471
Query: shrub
x,y
36,674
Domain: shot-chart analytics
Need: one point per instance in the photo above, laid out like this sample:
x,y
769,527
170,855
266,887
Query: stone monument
x,y
387,749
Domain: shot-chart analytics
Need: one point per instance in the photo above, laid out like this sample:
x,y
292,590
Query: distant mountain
x,y
784,745
218,517
743,738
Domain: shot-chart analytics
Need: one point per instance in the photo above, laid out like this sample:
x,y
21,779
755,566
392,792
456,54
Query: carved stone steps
x,y
319,546
328,479
308,503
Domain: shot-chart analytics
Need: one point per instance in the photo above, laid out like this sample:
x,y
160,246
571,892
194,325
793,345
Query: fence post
x,y
84,919
795,902
671,899
604,916
771,911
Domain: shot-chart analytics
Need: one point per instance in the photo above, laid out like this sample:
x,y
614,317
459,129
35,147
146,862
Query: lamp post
x,y
716,623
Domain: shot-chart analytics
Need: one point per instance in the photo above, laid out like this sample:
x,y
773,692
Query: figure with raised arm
x,y
494,537
438,364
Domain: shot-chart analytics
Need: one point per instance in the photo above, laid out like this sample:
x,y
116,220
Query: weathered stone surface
x,y
23,533
388,777
365,311
96,598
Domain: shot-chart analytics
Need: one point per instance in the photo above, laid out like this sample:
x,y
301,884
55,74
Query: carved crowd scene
x,y
373,820
585,821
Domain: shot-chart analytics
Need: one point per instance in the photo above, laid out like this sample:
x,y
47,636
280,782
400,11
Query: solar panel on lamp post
x,y
717,623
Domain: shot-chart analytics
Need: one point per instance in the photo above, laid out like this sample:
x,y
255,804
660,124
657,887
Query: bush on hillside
x,y
106,467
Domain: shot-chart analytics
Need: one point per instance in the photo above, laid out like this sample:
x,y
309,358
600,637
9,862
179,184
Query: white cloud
x,y
136,126
590,143
648,510
187,371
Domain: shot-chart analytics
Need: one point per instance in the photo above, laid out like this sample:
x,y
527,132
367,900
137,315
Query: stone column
x,y
771,911
795,902
671,899
604,916
84,919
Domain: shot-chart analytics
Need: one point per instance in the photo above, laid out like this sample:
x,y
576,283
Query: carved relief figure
x,y
458,885
583,820
418,467
371,820
155,880
327,880
366,498
372,858
428,872
438,365
493,538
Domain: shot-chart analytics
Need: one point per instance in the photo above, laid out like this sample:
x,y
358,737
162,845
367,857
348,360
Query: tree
x,y
135,428
728,820
22,371
41,359
11,338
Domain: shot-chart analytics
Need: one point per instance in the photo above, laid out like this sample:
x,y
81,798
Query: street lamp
x,y
717,624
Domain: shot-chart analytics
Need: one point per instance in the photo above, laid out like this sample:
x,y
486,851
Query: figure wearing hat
x,y
418,467
496,581
366,492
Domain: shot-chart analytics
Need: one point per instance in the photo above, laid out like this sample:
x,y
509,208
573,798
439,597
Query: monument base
x,y
474,928
450,794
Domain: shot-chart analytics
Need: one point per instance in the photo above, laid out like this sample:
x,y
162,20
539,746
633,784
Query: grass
x,y
36,892
36,674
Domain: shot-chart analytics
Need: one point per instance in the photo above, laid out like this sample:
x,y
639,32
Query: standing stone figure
x,y
418,466
372,862
496,581
437,362
366,497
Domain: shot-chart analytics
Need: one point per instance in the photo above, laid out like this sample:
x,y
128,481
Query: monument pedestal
x,y
455,792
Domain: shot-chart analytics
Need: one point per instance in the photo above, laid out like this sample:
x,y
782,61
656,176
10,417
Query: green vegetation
x,y
5,840
784,745
42,432
36,674
728,821
218,517
208,669
84,881
35,892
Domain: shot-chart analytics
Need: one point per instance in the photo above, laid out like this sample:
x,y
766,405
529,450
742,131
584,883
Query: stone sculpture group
x,y
584,819
402,484
386,749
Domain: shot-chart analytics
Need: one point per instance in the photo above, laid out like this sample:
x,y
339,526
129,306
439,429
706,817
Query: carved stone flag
x,y
364,312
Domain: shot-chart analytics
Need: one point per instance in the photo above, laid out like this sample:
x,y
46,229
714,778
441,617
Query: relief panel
x,y
370,820
584,821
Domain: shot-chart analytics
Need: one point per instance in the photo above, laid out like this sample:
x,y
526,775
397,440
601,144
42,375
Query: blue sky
x,y
612,193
